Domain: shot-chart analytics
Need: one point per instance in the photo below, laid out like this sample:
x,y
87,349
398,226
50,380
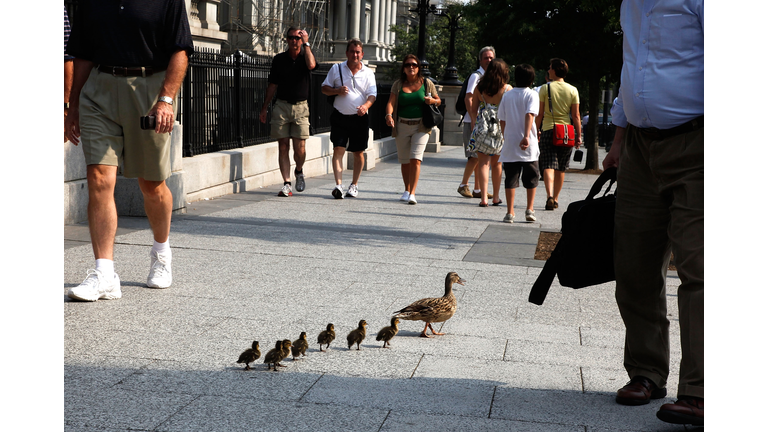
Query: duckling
x,y
250,355
273,356
326,337
433,310
387,333
300,346
285,351
357,335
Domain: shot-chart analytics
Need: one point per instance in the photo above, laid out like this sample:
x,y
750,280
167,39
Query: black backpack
x,y
587,232
461,107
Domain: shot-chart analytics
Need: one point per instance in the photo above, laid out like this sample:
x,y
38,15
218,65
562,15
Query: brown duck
x,y
433,310
326,337
387,333
285,351
357,335
250,355
273,356
300,346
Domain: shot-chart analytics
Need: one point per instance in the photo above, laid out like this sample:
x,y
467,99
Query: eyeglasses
x,y
294,38
411,65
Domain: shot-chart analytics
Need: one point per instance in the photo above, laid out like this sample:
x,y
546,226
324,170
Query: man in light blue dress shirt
x,y
659,150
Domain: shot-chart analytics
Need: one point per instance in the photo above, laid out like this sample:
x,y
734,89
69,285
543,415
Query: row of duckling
x,y
430,310
298,348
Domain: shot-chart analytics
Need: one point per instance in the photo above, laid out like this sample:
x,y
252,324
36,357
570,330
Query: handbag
x,y
431,115
486,137
332,98
562,135
587,231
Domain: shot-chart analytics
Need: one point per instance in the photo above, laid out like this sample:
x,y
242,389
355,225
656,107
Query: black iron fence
x,y
222,96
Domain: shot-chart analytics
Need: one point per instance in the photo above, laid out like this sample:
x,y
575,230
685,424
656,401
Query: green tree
x,y
586,33
437,44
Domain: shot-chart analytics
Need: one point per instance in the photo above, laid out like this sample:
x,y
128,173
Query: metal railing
x,y
222,95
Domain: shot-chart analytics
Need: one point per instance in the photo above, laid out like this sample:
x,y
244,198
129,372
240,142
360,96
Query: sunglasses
x,y
411,65
293,38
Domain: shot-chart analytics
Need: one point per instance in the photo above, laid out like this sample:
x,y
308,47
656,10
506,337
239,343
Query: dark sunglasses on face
x,y
295,38
411,65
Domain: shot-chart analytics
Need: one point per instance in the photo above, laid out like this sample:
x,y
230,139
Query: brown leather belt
x,y
128,71
659,134
410,122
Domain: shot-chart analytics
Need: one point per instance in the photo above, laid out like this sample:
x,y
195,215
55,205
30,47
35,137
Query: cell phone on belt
x,y
148,122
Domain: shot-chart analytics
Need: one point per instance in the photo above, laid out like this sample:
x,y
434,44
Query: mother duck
x,y
433,309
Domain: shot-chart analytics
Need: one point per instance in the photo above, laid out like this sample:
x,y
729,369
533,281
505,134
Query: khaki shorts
x,y
290,120
410,142
110,108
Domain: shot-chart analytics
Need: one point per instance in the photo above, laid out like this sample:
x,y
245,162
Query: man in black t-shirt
x,y
130,60
289,78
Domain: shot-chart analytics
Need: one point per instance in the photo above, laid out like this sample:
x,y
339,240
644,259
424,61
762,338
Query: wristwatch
x,y
306,44
166,99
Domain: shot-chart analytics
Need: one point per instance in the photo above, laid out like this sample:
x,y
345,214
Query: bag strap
x,y
341,74
607,175
544,281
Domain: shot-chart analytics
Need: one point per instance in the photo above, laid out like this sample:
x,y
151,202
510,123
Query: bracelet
x,y
387,115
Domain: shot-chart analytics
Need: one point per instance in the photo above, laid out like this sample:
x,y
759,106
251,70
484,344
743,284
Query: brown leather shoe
x,y
479,195
550,205
639,391
687,410
465,191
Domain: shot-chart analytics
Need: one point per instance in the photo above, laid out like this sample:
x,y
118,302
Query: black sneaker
x,y
300,184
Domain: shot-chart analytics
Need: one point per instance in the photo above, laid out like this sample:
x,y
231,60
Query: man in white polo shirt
x,y
354,86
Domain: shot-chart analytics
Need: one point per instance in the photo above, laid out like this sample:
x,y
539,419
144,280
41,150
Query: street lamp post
x,y
451,75
423,8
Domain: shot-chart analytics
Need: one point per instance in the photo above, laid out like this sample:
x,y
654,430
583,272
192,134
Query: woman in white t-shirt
x,y
520,153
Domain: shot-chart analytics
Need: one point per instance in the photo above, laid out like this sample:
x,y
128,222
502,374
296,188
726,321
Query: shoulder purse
x,y
430,114
332,98
562,135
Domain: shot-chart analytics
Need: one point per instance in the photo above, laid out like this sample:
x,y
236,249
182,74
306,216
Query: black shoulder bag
x,y
332,98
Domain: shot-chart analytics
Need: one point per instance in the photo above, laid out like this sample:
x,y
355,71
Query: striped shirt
x,y
67,31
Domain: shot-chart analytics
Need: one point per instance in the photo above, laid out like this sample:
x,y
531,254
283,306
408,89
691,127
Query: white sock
x,y
106,267
462,185
476,191
162,248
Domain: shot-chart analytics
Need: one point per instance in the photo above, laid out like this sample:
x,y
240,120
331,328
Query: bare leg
x,y
158,204
510,194
357,169
338,157
496,178
415,171
283,158
531,194
481,176
102,212
405,172
558,184
299,153
549,180
468,170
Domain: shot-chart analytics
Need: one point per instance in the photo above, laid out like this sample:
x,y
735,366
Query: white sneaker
x,y
95,287
352,191
160,270
338,192
405,196
285,191
509,218
412,199
530,216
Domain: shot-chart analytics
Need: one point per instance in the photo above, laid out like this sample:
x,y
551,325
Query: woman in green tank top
x,y
403,115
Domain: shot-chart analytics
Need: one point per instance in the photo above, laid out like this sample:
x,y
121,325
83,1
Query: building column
x,y
354,22
374,22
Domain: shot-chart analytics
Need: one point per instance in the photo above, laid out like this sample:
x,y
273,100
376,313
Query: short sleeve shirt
x,y
563,96
474,78
291,76
132,33
361,86
513,108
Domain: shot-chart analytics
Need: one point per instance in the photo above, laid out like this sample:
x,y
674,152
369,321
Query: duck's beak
x,y
461,281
